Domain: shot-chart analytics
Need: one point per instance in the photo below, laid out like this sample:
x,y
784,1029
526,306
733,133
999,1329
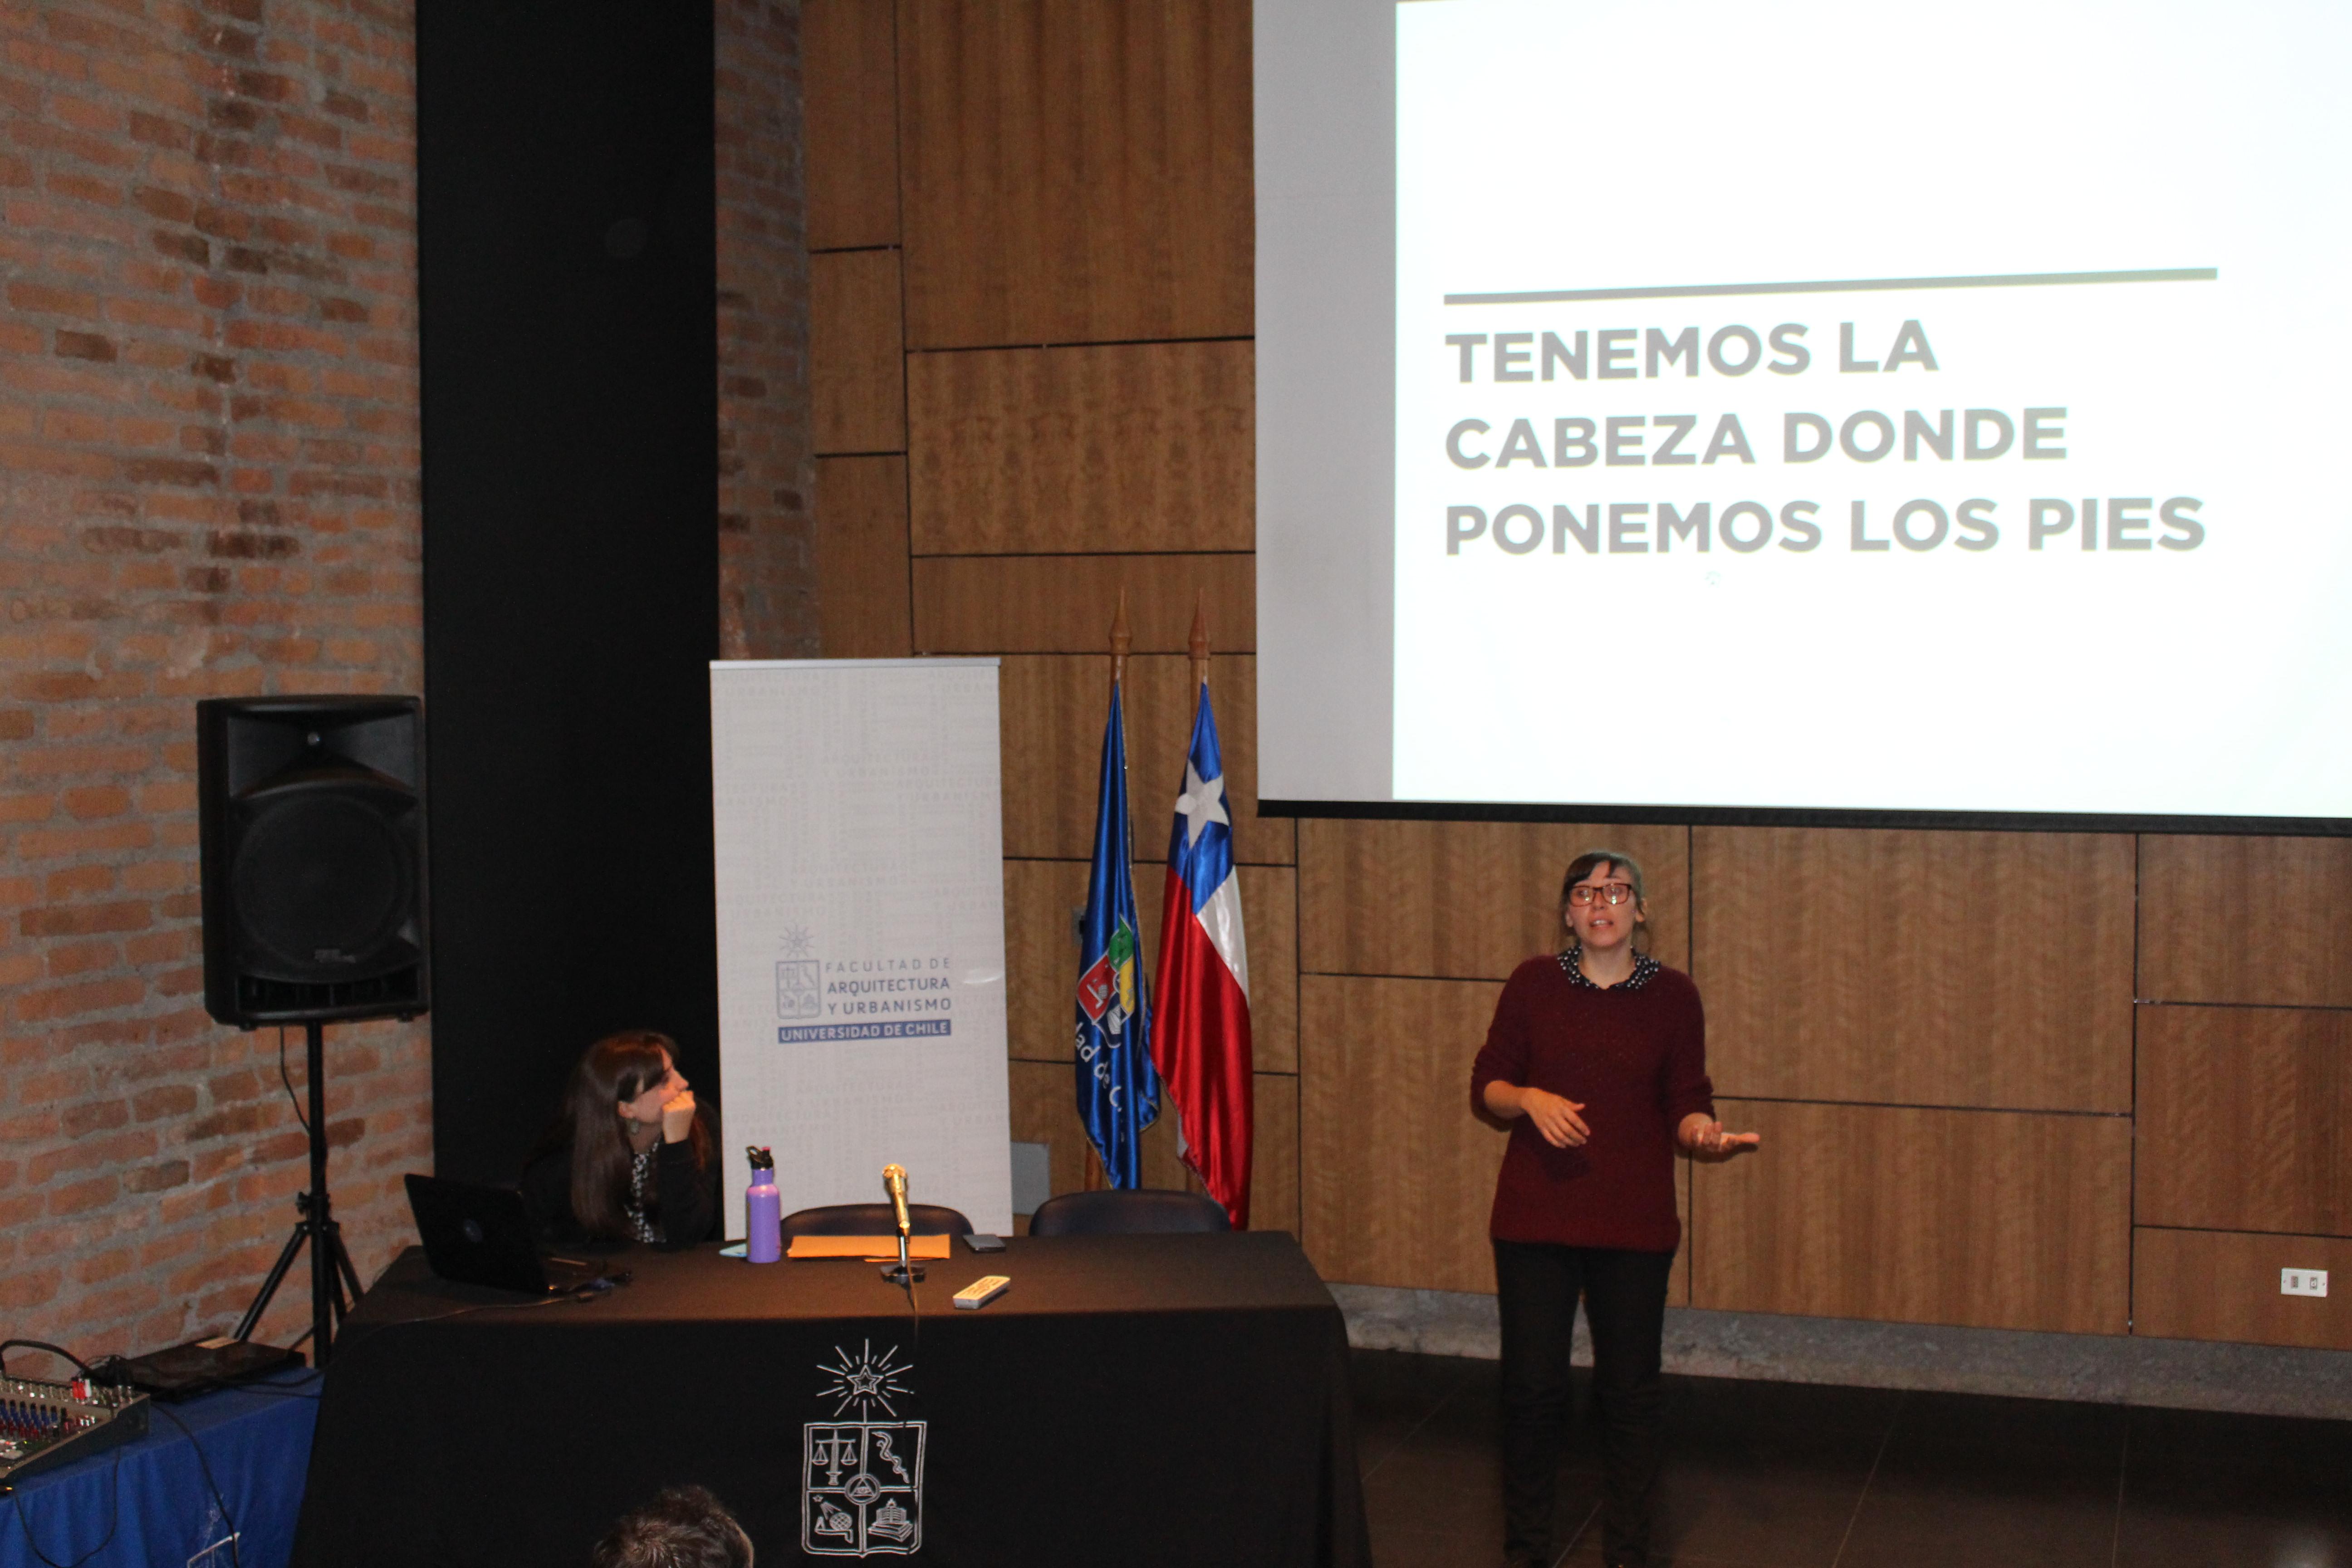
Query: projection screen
x,y
1801,411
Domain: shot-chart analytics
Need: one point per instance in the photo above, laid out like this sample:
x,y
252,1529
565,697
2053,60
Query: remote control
x,y
980,1292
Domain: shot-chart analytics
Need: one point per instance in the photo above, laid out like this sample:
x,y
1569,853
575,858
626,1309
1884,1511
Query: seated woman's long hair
x,y
618,1068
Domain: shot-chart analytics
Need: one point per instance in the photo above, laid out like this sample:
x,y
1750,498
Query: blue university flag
x,y
1119,1091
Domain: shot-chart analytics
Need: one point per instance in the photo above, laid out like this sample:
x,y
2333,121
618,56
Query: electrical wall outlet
x,y
2303,1281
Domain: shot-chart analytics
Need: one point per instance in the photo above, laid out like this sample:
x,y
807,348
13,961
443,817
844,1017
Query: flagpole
x,y
1199,643
1198,646
1121,640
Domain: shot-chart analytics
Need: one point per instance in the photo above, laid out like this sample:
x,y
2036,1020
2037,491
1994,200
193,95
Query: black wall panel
x,y
567,257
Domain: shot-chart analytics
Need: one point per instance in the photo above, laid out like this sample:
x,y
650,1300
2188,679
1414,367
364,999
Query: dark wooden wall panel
x,y
1978,969
1991,1219
1139,446
849,115
861,558
2216,1285
1076,171
1274,1154
1466,899
857,369
2246,919
2246,1119
1399,1172
1062,604
1054,708
1041,957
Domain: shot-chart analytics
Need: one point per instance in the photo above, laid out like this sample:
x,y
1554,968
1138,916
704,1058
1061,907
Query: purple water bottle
x,y
763,1211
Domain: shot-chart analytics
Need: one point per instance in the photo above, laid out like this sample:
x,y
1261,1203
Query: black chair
x,y
1140,1211
874,1219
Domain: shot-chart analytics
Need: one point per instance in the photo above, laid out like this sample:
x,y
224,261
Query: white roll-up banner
x,y
861,929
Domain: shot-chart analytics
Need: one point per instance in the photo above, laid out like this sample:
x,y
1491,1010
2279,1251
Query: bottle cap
x,y
761,1159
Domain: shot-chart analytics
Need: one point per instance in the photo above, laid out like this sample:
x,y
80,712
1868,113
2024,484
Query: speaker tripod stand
x,y
331,1265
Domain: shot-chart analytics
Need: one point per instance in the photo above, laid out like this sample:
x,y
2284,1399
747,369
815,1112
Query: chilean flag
x,y
1200,1039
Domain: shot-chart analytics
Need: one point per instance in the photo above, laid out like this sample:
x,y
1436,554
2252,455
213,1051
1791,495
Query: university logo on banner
x,y
862,1479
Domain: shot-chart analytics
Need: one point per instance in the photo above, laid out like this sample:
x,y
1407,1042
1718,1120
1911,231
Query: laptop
x,y
481,1236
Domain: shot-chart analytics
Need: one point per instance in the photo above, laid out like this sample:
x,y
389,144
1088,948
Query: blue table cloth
x,y
153,1496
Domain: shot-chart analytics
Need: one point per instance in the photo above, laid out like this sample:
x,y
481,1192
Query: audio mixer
x,y
46,1424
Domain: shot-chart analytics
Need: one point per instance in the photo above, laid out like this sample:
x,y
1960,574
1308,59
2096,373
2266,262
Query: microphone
x,y
893,1181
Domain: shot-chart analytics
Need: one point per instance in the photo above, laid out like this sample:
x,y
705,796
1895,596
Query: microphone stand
x,y
903,1272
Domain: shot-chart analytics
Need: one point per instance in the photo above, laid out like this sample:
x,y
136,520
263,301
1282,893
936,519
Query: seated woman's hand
x,y
678,1116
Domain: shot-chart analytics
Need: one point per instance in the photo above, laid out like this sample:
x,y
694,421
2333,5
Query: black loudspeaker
x,y
310,812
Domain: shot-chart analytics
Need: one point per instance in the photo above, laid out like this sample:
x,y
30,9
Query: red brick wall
x,y
208,486
767,604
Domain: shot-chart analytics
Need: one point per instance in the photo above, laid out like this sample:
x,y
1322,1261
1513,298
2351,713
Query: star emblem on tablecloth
x,y
864,1380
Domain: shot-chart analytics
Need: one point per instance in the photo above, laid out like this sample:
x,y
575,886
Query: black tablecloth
x,y
1132,1400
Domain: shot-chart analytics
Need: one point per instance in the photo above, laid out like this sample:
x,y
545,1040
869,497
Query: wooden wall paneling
x,y
1041,956
1270,917
861,558
857,364
1466,899
2246,919
1140,446
849,116
1053,713
1398,1174
1274,1154
1886,965
2246,1119
1988,1219
1062,604
2221,1285
1077,170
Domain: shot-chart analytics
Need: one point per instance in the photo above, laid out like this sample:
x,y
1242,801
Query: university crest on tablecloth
x,y
862,1479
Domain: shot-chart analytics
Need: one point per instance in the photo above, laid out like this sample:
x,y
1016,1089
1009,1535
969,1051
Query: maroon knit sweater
x,y
1634,1056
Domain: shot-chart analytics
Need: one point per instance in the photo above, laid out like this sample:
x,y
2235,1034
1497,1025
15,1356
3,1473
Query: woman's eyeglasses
x,y
1581,894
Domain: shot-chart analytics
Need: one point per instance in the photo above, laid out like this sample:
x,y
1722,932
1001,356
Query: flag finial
x,y
1200,641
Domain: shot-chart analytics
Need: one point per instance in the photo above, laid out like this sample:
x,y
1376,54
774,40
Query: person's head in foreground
x,y
683,1527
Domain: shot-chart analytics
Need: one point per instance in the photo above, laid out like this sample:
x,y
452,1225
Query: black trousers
x,y
1625,1307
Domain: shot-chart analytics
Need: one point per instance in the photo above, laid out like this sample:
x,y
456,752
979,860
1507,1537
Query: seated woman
x,y
630,1157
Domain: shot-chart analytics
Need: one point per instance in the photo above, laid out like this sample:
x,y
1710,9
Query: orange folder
x,y
874,1248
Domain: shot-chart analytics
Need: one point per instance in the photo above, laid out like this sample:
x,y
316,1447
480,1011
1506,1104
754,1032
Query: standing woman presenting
x,y
1597,1060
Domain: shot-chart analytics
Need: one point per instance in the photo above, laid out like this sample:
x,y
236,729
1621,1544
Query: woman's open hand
x,y
678,1116
1703,1138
